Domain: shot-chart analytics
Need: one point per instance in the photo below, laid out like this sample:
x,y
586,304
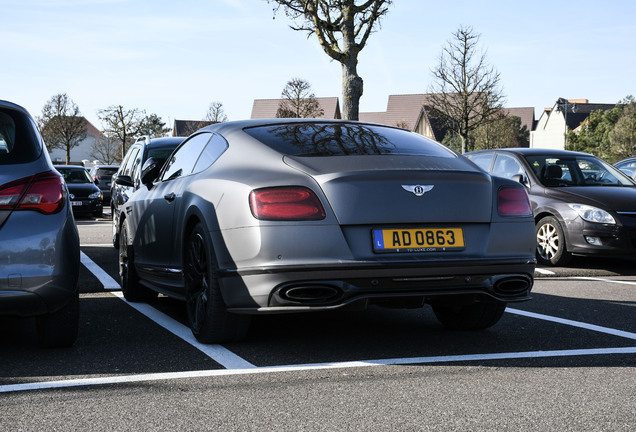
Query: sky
x,y
173,58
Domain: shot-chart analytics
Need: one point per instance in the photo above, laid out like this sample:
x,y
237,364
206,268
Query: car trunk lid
x,y
376,190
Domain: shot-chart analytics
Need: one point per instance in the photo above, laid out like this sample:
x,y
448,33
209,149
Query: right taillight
x,y
513,201
42,192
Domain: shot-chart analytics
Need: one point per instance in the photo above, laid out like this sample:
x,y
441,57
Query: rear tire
x,y
131,288
551,243
475,316
59,329
208,317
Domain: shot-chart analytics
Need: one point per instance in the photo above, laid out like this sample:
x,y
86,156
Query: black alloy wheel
x,y
207,313
131,288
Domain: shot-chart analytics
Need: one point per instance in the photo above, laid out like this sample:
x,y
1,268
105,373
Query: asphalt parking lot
x,y
566,360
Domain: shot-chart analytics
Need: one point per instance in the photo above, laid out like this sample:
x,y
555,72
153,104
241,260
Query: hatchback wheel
x,y
130,286
207,313
475,316
551,243
59,329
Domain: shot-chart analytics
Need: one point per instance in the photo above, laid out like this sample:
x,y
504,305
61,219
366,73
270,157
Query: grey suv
x,y
128,178
39,242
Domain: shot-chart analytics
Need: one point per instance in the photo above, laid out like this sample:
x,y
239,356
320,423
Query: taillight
x,y
42,192
513,201
286,203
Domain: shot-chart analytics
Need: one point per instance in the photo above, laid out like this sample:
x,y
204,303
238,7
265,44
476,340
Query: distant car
x,y
127,179
582,205
276,216
86,197
102,175
627,166
39,243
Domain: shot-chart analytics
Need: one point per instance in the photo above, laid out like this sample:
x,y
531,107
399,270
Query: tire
x,y
551,249
114,228
475,316
59,329
208,317
131,288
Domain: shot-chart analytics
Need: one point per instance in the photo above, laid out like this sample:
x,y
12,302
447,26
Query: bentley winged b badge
x,y
418,190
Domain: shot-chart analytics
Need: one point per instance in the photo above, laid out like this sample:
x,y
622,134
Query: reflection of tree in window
x,y
320,139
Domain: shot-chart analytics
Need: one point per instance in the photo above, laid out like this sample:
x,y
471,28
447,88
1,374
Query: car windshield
x,y
345,139
576,170
75,175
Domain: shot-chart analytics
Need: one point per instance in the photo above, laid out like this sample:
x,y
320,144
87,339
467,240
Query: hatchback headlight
x,y
95,195
593,214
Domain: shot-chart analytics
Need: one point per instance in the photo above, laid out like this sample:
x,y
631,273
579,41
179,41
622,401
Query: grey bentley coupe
x,y
276,216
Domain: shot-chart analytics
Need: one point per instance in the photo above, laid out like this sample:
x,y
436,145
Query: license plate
x,y
76,203
417,239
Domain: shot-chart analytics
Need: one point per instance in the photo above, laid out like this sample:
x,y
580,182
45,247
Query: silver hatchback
x,y
39,242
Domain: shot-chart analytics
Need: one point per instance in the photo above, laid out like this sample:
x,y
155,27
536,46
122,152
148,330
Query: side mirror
x,y
149,172
124,180
96,181
521,179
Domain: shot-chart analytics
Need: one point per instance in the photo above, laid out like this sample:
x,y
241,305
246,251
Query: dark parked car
x,y
86,198
294,215
39,243
582,205
627,166
127,179
102,175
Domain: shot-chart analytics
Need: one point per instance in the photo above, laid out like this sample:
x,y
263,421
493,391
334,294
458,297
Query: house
x,y
551,129
81,152
184,128
409,111
267,108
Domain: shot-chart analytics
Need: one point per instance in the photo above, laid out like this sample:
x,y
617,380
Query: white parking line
x,y
544,271
218,353
108,282
605,280
129,379
235,365
571,323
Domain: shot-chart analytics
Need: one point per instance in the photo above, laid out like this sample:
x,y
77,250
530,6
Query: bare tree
x,y
215,113
343,29
123,124
106,149
297,101
466,91
61,124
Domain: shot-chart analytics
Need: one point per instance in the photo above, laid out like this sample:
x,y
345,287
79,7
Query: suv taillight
x,y
286,203
513,201
42,192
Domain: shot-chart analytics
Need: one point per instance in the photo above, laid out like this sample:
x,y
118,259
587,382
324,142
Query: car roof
x,y
163,142
241,124
70,166
534,151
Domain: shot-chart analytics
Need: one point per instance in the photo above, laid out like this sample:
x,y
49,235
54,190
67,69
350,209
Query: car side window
x,y
212,151
130,161
482,160
506,166
182,162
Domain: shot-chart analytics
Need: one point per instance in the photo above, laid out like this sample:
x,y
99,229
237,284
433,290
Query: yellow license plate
x,y
417,240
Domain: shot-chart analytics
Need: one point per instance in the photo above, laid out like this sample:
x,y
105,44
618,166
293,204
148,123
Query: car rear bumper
x,y
302,288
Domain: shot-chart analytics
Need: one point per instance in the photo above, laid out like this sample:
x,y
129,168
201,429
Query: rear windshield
x,y
345,139
106,172
18,143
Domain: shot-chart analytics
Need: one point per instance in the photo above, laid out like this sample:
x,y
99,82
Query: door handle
x,y
170,197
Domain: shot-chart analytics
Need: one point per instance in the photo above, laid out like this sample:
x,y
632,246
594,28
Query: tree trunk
x,y
351,92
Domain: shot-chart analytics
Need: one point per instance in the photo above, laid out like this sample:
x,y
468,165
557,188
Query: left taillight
x,y
42,192
513,201
293,203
